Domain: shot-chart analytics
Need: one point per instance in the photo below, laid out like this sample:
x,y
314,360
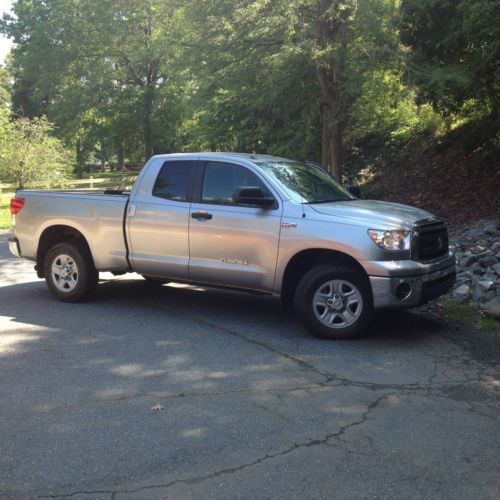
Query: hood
x,y
378,214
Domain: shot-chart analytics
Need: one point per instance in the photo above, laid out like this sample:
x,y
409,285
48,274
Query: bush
x,y
30,156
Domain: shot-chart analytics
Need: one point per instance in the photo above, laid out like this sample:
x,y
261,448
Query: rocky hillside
x,y
477,248
456,177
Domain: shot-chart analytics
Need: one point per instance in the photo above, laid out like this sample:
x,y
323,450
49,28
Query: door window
x,y
174,180
221,180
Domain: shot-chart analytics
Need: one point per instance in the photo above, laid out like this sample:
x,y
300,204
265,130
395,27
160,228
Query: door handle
x,y
201,215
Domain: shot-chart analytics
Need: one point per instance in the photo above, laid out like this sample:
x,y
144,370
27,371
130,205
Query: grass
x,y
467,314
5,221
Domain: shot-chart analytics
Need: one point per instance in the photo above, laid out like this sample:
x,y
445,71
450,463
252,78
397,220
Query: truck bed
x,y
97,214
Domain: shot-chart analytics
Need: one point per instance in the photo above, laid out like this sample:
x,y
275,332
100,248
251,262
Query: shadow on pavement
x,y
135,296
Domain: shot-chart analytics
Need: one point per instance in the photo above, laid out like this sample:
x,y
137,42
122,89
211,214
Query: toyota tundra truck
x,y
248,222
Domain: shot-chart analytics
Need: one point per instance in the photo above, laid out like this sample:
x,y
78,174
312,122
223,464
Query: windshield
x,y
305,183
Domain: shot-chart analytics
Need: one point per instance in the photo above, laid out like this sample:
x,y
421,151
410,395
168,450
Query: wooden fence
x,y
80,182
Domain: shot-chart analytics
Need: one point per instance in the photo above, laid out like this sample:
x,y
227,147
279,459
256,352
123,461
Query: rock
x,y
477,253
468,260
477,268
490,228
493,311
461,294
492,302
477,250
475,234
479,296
483,244
488,261
496,268
485,285
482,255
465,275
488,276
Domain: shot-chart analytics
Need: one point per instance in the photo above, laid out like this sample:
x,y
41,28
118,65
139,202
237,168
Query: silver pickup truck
x,y
248,222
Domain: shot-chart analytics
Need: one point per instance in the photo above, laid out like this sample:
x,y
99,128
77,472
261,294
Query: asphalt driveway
x,y
184,392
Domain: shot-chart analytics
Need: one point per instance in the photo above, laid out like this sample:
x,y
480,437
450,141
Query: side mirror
x,y
355,191
248,195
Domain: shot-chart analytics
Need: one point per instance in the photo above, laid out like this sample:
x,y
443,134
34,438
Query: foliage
x,y
31,155
285,77
309,79
97,69
455,49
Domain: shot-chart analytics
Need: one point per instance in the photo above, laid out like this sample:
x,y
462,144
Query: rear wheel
x,y
70,273
334,301
150,280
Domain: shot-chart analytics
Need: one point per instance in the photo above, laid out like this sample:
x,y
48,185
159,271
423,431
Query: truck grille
x,y
430,240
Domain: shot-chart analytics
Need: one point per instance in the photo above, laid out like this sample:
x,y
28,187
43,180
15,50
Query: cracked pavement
x,y
253,406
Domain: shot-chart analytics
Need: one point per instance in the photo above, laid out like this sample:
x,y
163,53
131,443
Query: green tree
x,y
455,49
294,63
31,156
104,59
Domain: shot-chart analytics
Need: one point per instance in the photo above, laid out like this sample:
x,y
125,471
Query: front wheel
x,y
334,301
70,273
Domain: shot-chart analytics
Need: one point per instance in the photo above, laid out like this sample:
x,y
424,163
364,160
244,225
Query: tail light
x,y
15,205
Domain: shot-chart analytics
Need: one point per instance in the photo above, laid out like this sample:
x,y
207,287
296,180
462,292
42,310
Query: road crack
x,y
232,470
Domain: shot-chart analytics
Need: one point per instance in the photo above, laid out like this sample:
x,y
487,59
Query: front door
x,y
231,244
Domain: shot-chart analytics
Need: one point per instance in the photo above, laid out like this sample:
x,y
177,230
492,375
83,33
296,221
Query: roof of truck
x,y
227,155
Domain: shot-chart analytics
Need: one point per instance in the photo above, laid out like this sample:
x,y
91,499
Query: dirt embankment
x,y
456,177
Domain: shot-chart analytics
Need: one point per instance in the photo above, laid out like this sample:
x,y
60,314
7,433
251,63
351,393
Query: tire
x,y
70,273
334,301
150,280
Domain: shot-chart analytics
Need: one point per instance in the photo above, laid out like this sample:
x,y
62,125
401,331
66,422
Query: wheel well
x,y
53,235
300,263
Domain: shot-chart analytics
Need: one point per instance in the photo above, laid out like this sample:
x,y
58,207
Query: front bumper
x,y
411,291
14,247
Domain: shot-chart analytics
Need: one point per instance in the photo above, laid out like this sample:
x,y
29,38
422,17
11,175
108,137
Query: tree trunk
x,y
147,122
120,155
79,159
332,34
332,143
103,159
325,143
337,151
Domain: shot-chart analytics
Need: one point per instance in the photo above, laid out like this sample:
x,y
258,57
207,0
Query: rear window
x,y
174,180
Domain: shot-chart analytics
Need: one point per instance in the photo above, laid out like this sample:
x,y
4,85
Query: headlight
x,y
392,239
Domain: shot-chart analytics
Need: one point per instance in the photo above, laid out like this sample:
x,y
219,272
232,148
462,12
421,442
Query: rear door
x,y
231,244
158,221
